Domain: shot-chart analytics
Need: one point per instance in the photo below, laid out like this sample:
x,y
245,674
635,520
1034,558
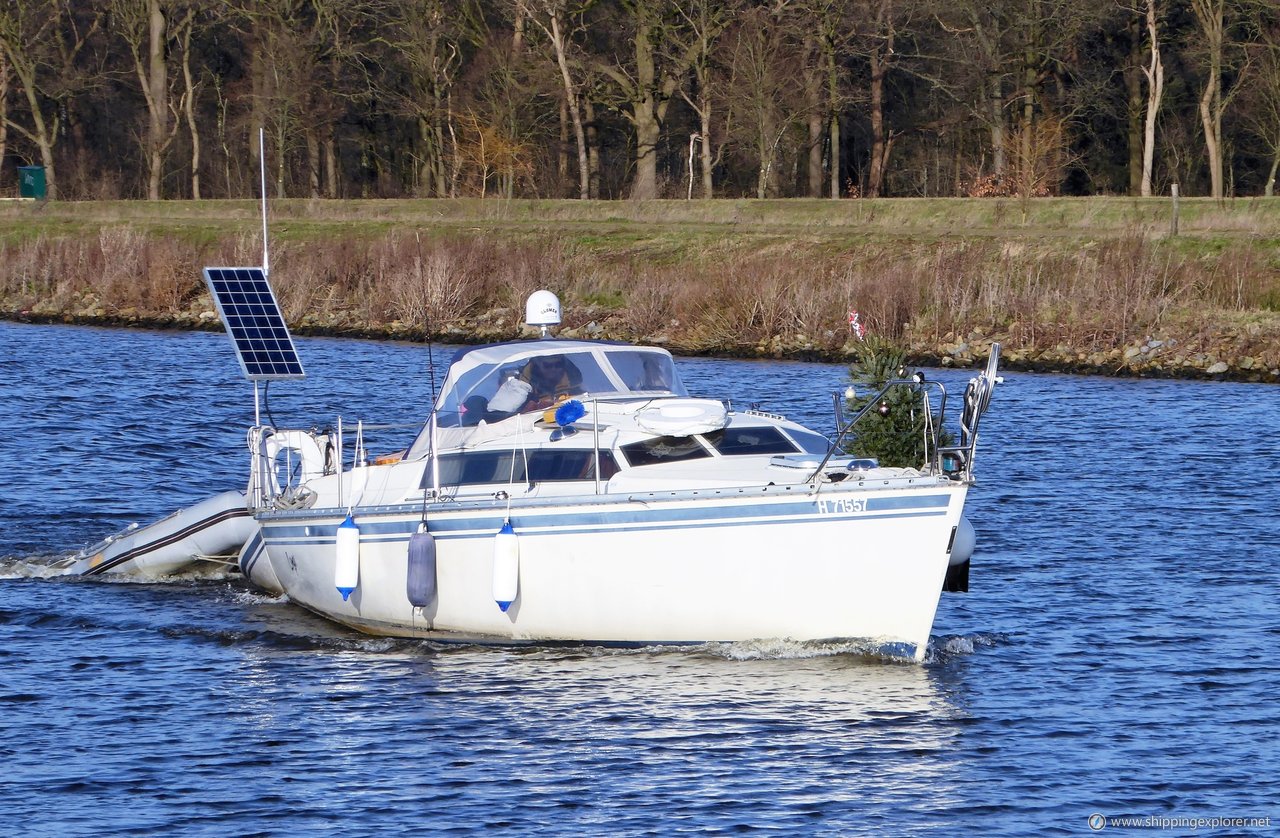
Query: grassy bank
x,y
1092,285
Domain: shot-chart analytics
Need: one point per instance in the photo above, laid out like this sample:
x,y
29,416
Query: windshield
x,y
493,383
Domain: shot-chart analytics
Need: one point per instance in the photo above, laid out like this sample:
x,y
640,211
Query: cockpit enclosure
x,y
484,382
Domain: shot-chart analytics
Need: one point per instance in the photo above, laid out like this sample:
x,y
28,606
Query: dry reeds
x,y
1091,295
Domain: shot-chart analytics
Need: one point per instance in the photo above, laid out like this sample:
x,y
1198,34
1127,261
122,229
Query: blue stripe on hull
x,y
453,526
252,553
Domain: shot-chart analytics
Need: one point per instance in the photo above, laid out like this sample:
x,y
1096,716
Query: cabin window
x,y
664,449
750,440
646,372
811,443
544,466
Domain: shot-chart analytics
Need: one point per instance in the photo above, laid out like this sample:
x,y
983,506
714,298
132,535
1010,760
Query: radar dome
x,y
542,310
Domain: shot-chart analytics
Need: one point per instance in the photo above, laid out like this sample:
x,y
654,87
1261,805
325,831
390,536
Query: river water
x,y
1117,653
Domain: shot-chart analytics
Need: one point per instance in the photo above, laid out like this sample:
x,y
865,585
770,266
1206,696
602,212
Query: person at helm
x,y
551,379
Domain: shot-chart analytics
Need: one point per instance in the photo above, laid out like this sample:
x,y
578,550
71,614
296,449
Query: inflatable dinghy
x,y
216,527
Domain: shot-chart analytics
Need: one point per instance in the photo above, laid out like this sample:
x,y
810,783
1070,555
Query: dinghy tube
x,y
217,526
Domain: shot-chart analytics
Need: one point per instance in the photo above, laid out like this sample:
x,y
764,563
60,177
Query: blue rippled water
x,y
1117,654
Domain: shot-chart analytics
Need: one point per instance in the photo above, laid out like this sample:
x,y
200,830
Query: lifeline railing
x,y
953,460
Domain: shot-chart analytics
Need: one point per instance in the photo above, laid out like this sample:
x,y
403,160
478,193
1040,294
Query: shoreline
x,y
1151,359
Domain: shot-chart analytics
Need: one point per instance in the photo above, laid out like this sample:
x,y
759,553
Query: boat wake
x,y
949,647
51,567
785,649
31,567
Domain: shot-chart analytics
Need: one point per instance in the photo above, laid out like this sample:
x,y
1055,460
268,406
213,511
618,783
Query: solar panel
x,y
249,310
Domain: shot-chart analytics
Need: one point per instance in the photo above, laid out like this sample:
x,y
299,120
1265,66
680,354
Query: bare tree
x,y
551,17
1211,17
4,109
770,102
876,43
704,20
1215,20
1154,74
42,40
1262,92
431,40
648,80
146,27
831,25
190,88
981,38
304,75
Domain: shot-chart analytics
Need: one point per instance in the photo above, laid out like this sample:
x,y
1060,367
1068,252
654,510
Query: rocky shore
x,y
1153,357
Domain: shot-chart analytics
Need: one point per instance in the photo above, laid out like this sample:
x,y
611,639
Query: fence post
x,y
1173,222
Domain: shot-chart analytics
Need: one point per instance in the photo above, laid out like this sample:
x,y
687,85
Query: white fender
x,y
506,566
962,546
346,566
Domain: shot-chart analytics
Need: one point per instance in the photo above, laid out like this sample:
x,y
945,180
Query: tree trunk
x,y
1210,14
1133,103
879,152
426,170
1030,170
1211,120
648,132
644,108
706,149
1270,189
996,97
40,134
833,91
1154,72
4,110
330,149
815,119
562,151
313,162
156,83
593,150
46,160
280,139
257,113
575,108
188,107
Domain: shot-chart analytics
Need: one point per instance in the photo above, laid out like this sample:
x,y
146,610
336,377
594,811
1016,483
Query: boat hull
x,y
216,526
678,567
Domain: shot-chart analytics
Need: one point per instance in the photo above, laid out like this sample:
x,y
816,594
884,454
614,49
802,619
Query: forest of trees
x,y
164,99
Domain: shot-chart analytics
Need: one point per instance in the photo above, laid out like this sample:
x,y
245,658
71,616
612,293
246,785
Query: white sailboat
x,y
573,491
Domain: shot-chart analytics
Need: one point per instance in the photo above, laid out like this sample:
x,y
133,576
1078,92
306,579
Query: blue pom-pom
x,y
570,412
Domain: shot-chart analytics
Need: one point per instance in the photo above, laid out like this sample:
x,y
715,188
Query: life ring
x,y
682,417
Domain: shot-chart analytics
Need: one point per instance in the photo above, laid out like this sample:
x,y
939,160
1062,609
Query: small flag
x,y
855,324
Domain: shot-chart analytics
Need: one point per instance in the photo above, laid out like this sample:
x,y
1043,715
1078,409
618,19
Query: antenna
x,y
262,171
